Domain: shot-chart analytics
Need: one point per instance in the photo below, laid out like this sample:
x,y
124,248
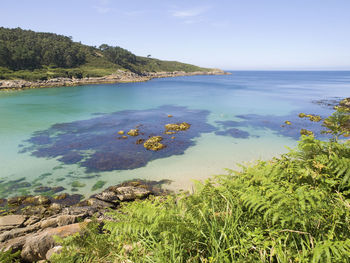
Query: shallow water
x,y
57,136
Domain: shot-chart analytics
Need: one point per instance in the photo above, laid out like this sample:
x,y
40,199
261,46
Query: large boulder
x,y
36,246
129,193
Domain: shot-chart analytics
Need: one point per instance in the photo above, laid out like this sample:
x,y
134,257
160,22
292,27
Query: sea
x,y
70,138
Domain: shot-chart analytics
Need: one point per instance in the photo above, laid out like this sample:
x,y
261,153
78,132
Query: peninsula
x,y
30,59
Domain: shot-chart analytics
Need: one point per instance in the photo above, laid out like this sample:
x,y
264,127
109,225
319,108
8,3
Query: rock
x,y
32,220
14,244
37,200
154,144
61,220
16,200
81,211
12,220
17,232
55,206
41,189
37,245
108,196
133,132
99,203
129,193
140,141
61,196
177,126
54,250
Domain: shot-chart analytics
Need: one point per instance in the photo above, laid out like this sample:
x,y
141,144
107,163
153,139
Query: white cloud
x,y
194,12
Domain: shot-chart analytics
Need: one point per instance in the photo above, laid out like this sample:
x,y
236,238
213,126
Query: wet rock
x,y
37,200
41,189
154,143
15,201
177,126
140,141
133,132
55,206
61,196
12,220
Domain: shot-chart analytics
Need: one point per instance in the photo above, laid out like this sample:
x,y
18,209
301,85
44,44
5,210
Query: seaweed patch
x,y
94,143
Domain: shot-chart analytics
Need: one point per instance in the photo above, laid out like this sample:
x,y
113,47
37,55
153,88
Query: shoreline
x,y
118,77
29,223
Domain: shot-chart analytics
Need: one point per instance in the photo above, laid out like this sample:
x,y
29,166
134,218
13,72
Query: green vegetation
x,y
76,184
295,208
25,54
98,185
9,257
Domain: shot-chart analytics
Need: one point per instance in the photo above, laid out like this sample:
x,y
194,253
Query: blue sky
x,y
228,34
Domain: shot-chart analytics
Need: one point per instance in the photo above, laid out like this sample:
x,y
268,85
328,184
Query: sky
x,y
226,34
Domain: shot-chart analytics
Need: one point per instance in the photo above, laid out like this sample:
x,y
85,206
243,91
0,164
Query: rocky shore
x,y
118,77
32,222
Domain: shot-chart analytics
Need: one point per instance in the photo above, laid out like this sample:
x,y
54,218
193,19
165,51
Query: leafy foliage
x,y
29,55
25,49
9,257
291,209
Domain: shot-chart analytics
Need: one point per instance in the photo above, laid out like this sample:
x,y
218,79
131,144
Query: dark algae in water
x,y
96,143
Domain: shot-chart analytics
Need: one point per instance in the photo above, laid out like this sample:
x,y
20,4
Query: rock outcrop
x,y
33,233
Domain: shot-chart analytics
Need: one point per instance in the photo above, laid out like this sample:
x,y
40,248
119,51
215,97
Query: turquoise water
x,y
56,136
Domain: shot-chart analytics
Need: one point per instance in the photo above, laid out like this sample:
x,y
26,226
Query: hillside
x,y
29,55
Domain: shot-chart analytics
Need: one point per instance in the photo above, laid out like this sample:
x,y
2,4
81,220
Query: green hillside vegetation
x,y
295,208
25,54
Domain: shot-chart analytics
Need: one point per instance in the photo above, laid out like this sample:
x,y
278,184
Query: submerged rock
x,y
133,132
177,126
154,143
